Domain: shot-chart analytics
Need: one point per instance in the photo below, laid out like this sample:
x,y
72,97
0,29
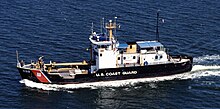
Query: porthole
x,y
156,57
134,57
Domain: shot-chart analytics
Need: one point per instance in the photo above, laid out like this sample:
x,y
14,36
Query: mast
x,y
90,47
17,57
92,28
157,28
110,26
115,28
101,26
91,54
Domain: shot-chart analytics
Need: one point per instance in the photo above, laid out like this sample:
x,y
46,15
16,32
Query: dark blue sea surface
x,y
59,31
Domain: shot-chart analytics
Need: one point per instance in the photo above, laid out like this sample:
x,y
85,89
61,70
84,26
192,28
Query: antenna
x,y
17,55
18,64
116,27
92,28
101,26
157,28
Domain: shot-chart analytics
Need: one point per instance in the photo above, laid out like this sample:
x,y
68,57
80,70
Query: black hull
x,y
112,74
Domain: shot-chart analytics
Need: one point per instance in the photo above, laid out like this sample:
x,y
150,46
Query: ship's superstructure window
x,y
124,58
101,55
118,58
150,49
158,48
102,46
134,57
156,57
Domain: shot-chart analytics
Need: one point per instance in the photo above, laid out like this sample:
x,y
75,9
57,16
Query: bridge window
x,y
156,57
158,48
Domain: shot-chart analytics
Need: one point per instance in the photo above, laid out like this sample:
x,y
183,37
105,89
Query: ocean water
x,y
59,31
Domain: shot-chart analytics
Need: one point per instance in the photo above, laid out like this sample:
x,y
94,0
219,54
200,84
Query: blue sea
x,y
59,31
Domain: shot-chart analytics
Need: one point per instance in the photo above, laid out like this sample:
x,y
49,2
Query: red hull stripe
x,y
41,76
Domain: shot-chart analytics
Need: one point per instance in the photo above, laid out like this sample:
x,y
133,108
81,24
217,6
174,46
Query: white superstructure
x,y
107,52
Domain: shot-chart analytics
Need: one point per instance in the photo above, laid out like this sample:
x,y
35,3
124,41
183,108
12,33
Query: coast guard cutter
x,y
110,60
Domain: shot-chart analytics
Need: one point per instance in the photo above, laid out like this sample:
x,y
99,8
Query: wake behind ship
x,y
109,60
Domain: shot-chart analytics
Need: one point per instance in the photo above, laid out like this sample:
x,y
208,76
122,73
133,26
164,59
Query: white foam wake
x,y
203,67
207,59
197,72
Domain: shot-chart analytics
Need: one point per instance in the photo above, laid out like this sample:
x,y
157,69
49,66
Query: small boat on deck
x,y
110,60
